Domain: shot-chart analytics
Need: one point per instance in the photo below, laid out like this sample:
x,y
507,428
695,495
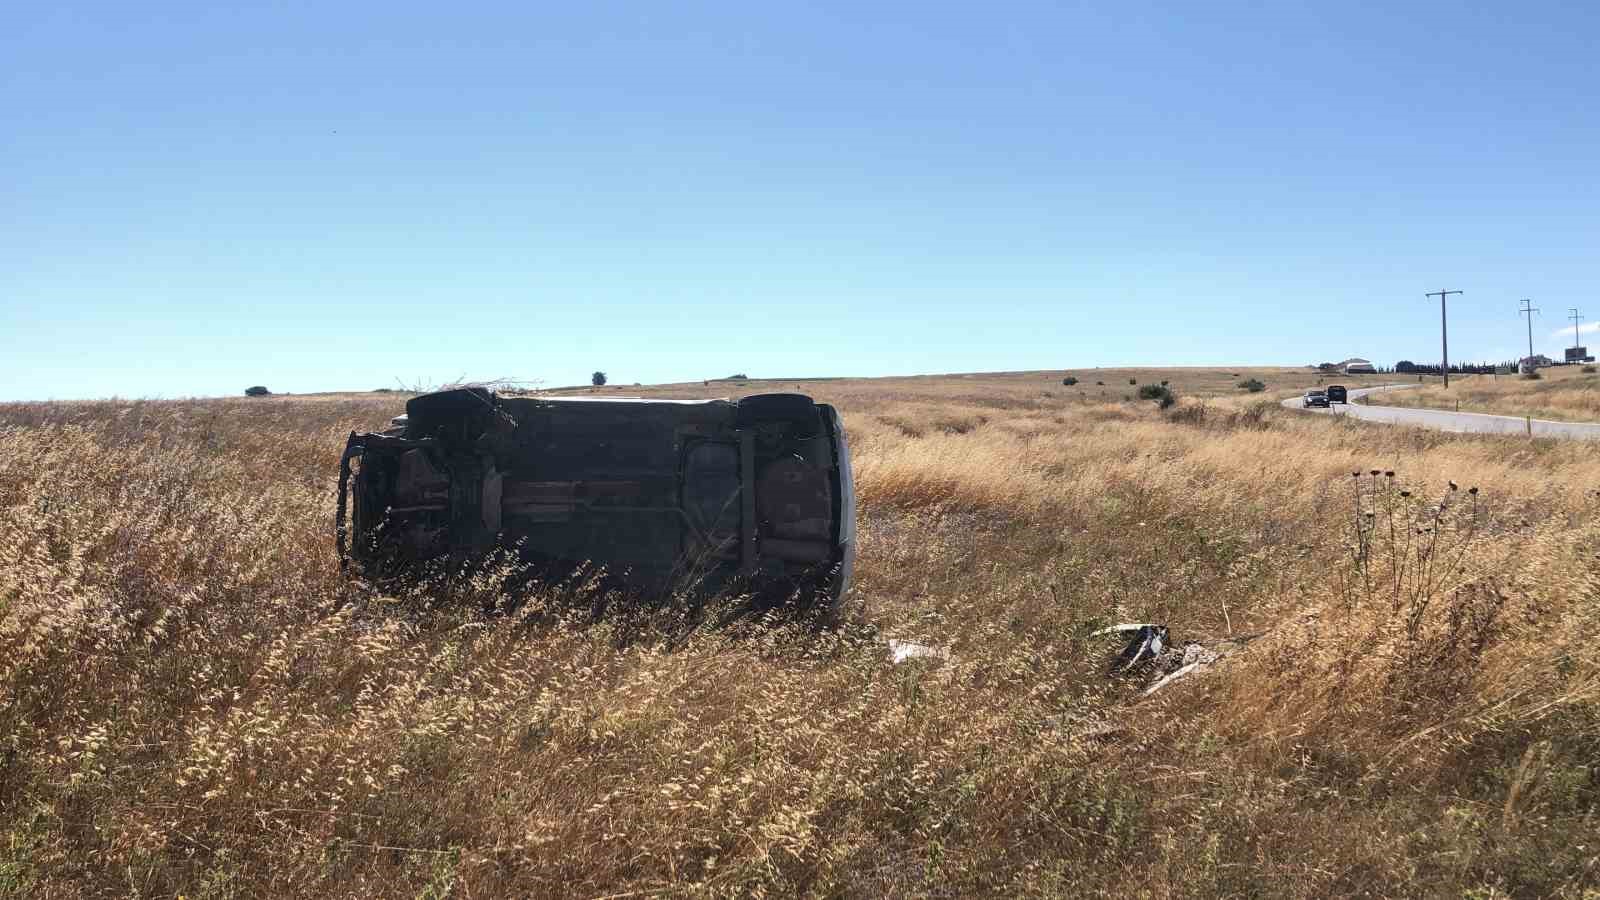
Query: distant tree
x,y
1405,367
739,377
1069,381
597,379
256,391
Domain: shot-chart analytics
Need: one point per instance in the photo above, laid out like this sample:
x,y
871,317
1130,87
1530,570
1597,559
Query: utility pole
x,y
1575,320
1444,335
1528,309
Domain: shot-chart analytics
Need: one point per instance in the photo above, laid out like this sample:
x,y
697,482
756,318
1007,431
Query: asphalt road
x,y
1443,420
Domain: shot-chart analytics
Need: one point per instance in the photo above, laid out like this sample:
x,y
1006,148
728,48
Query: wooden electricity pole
x,y
1444,334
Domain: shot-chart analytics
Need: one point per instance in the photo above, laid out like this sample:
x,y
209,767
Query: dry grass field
x,y
1561,393
194,703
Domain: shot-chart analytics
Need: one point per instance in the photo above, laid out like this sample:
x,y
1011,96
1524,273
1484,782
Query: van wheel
x,y
795,411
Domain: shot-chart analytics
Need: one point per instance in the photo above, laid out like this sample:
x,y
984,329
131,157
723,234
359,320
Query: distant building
x,y
1532,363
1357,366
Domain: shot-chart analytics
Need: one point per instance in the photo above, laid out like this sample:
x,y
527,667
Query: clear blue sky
x,y
313,196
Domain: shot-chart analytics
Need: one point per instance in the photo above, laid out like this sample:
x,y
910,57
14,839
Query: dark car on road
x,y
1314,397
1337,394
706,495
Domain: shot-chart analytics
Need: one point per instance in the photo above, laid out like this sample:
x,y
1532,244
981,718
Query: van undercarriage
x,y
708,496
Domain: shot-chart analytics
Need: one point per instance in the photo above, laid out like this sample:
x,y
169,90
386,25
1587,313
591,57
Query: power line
x,y
1444,334
1528,309
1576,318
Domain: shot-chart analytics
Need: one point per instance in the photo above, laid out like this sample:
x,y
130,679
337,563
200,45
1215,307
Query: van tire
x,y
795,411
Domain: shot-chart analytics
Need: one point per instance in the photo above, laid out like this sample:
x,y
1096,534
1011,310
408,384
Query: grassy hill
x,y
194,701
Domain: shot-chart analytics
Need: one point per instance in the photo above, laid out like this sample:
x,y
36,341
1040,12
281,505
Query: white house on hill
x,y
1534,363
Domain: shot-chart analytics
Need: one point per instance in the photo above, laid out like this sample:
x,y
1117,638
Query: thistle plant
x,y
1408,551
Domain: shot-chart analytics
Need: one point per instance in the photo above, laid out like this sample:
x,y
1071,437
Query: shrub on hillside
x,y
1255,417
1069,381
1189,414
1532,375
1159,393
1588,370
1133,381
1253,385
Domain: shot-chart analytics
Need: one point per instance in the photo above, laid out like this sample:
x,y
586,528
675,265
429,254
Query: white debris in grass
x,y
900,651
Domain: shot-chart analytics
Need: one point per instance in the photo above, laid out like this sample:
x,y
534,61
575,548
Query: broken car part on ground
x,y
1150,652
706,495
